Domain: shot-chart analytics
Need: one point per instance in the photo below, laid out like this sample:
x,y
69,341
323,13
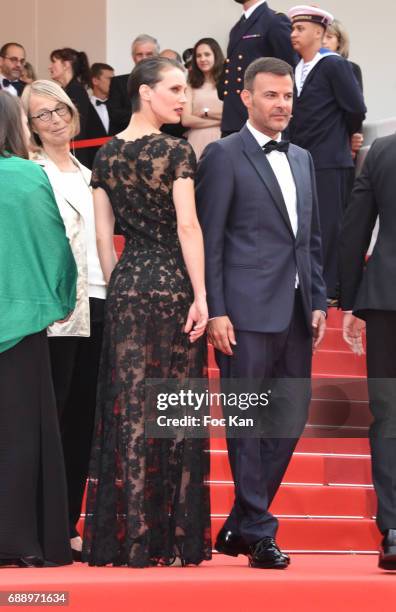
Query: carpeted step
x,y
307,468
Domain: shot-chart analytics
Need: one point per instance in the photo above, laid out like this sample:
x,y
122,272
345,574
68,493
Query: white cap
x,y
312,14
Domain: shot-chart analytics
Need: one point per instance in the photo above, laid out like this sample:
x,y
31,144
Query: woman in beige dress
x,y
203,110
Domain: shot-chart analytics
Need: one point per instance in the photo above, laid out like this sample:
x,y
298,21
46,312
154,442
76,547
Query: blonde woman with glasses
x,y
75,345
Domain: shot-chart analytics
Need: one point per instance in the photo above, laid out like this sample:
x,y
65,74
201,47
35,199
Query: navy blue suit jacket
x,y
251,252
328,111
265,34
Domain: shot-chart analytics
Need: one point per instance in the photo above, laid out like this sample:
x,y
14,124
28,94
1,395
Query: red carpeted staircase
x,y
326,502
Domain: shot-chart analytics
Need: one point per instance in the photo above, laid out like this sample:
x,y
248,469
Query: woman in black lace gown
x,y
147,501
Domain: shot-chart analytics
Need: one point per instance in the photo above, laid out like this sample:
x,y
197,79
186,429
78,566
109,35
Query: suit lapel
x,y
298,176
259,161
242,28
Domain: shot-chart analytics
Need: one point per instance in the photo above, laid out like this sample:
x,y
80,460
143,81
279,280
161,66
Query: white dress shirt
x,y
251,10
102,112
10,88
281,168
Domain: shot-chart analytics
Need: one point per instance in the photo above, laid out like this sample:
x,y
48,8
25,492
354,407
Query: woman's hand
x,y
197,319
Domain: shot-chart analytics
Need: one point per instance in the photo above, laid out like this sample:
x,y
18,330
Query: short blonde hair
x,y
338,30
53,91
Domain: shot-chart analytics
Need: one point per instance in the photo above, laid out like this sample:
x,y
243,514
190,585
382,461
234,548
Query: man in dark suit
x,y
119,105
12,61
266,295
98,120
261,32
328,109
369,291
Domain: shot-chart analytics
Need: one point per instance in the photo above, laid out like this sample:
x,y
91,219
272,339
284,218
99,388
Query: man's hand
x,y
356,143
352,330
318,328
221,334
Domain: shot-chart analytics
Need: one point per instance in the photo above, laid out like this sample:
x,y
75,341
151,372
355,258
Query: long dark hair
x,y
196,77
12,141
148,72
79,63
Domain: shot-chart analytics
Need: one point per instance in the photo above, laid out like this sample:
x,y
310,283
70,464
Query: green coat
x,y
37,270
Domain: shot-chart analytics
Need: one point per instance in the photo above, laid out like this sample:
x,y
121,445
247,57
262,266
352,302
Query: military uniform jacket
x,y
265,34
328,111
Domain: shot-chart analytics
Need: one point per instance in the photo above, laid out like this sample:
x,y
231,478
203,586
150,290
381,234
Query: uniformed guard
x,y
328,109
261,32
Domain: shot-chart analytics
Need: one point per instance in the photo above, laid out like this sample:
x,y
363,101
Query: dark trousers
x,y
75,364
334,188
381,371
258,464
33,505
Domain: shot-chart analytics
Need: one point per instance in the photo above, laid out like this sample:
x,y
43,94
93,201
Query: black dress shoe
x,y
31,562
387,555
265,554
229,543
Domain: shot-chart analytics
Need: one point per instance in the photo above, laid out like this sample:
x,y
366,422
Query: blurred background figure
x,y
12,61
98,123
187,58
336,39
74,345
70,68
328,109
171,54
203,110
261,32
119,105
37,287
28,74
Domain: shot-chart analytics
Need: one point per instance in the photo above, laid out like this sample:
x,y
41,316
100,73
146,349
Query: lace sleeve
x,y
184,161
100,170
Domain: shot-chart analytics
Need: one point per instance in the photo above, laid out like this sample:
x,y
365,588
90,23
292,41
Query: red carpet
x,y
312,583
325,504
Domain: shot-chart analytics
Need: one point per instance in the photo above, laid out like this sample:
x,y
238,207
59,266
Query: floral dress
x,y
147,500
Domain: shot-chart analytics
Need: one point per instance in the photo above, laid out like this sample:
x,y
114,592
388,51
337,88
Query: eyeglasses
x,y
15,60
46,115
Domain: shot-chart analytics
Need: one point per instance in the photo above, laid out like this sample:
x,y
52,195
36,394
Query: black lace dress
x,y
147,500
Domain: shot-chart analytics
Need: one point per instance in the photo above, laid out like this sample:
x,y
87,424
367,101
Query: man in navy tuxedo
x,y
261,32
257,205
12,61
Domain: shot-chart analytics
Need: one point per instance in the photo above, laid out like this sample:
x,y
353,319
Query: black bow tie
x,y
6,82
272,145
99,102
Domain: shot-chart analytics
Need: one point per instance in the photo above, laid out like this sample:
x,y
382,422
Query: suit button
x,y
225,93
226,82
239,68
240,56
226,71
